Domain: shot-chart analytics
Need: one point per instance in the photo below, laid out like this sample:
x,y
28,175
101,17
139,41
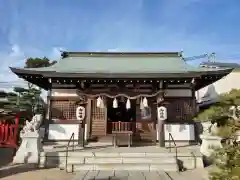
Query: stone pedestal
x,y
29,149
209,143
237,134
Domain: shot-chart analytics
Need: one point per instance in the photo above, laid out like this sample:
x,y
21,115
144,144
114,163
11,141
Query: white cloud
x,y
16,51
113,50
56,53
16,58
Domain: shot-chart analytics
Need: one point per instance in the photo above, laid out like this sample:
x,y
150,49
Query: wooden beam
x,y
60,86
65,98
114,92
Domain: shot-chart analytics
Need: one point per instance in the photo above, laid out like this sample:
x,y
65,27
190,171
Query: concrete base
x,y
29,149
209,143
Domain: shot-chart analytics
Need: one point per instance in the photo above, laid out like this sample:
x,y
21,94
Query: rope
x,y
119,95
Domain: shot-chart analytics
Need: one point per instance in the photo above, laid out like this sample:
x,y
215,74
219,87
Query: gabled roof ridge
x,y
66,54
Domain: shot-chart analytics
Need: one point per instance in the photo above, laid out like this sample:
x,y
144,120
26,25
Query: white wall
x,y
64,92
64,131
224,85
180,132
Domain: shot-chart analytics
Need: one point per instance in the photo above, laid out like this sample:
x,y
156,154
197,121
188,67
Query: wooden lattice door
x,y
99,119
180,110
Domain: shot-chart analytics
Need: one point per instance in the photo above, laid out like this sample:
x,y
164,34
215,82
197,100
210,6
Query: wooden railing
x,y
9,134
122,126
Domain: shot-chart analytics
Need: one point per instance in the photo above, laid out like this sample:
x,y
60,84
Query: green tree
x,y
227,159
33,95
25,99
38,63
227,163
219,112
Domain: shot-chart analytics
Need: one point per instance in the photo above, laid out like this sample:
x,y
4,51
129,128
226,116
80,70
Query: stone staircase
x,y
77,161
143,161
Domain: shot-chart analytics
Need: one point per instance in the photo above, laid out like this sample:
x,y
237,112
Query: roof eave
x,y
49,74
19,71
24,74
224,71
218,73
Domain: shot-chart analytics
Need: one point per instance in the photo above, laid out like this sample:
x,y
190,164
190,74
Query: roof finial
x,y
181,53
64,54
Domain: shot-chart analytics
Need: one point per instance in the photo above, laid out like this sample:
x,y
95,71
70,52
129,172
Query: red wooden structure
x,y
9,134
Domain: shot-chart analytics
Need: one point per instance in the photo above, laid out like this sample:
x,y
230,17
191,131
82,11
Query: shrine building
x,y
120,91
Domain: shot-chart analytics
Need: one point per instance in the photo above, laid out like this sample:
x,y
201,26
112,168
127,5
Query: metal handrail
x,y
67,148
175,146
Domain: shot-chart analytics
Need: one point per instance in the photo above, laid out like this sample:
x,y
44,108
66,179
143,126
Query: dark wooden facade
x,y
181,107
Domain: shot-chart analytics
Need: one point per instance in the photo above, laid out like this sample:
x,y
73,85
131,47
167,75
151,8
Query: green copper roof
x,y
121,64
115,63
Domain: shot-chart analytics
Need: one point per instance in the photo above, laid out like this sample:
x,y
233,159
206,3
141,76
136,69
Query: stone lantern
x,y
235,115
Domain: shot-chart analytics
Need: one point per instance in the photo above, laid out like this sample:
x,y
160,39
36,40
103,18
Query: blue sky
x,y
39,28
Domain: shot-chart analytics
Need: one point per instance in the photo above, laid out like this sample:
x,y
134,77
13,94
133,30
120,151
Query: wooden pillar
x,y
194,100
105,114
88,116
81,139
49,111
161,138
195,111
81,128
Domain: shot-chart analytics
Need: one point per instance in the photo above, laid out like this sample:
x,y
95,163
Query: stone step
x,y
57,159
132,160
121,167
185,163
112,154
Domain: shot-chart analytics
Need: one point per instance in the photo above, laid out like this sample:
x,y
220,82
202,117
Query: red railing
x,y
9,134
122,126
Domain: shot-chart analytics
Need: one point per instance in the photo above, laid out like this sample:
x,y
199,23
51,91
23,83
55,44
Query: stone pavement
x,y
25,173
120,175
198,174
